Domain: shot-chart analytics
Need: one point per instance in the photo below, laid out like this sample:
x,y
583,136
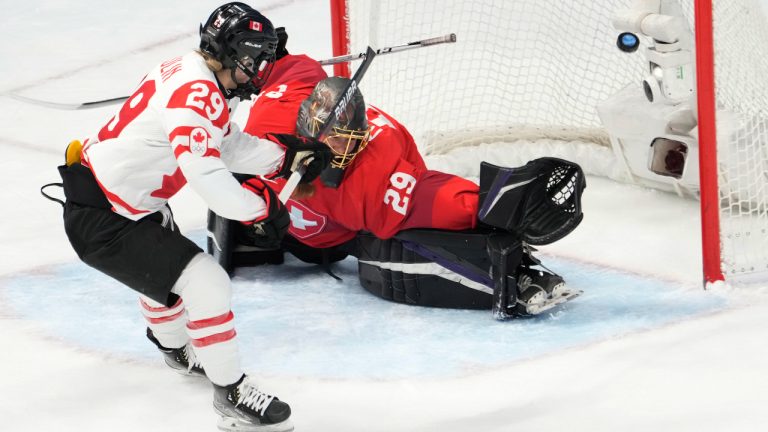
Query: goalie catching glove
x,y
267,232
539,202
299,150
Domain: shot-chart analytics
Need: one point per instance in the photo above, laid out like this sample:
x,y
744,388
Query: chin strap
x,y
242,91
225,91
233,92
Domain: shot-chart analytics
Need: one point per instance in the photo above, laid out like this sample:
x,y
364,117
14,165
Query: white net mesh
x,y
741,59
514,63
537,69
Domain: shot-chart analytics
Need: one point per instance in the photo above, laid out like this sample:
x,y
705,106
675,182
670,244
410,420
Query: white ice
x,y
644,349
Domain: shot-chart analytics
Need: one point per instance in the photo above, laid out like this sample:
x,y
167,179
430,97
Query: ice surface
x,y
643,349
295,320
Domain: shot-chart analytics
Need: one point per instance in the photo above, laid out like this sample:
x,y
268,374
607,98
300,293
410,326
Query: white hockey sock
x,y
215,344
205,288
166,323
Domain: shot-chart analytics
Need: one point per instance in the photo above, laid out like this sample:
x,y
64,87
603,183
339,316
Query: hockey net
x,y
534,71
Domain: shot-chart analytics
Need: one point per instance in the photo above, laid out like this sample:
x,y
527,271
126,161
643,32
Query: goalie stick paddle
x,y
333,117
449,38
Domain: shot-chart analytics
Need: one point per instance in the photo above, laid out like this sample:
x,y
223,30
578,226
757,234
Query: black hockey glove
x,y
267,232
282,39
298,150
540,202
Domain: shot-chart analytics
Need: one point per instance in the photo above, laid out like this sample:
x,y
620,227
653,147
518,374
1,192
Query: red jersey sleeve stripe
x,y
181,149
183,137
178,150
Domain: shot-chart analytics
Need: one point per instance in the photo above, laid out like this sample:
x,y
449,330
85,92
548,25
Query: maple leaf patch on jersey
x,y
192,139
198,142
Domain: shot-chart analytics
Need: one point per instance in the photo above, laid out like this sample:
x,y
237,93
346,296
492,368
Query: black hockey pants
x,y
145,255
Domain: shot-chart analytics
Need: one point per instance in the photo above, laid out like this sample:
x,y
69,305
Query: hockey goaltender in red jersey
x,y
377,197
175,130
378,158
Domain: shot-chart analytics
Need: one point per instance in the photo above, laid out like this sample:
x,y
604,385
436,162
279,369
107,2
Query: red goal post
x,y
340,35
705,86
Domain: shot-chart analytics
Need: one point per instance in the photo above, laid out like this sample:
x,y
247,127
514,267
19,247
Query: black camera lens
x,y
628,42
648,91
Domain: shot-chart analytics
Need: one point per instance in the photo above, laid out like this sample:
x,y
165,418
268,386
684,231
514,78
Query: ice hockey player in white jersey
x,y
175,130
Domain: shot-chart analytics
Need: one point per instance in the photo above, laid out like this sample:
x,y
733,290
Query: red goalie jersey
x,y
386,189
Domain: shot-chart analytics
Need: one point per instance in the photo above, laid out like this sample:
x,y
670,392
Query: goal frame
x,y
705,87
705,84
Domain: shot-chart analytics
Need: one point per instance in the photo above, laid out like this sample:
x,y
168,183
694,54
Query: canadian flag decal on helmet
x,y
255,26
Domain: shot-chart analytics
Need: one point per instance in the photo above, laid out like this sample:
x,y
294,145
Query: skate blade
x,y
538,308
231,424
187,372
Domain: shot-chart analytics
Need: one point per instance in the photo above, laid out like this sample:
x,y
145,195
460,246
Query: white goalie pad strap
x,y
430,268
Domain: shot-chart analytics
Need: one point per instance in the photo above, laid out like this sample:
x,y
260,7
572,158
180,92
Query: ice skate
x,y
244,408
549,284
182,360
539,291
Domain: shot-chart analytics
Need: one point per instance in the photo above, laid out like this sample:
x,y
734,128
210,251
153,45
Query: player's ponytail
x,y
303,191
213,64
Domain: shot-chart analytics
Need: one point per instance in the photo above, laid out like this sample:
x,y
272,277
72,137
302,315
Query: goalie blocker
x,y
484,268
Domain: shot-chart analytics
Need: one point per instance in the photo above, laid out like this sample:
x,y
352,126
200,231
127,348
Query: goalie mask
x,y
241,38
347,137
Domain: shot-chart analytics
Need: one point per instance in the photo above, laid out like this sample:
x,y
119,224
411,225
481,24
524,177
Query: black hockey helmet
x,y
241,38
350,133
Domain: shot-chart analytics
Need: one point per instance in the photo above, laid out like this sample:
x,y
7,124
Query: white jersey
x,y
174,130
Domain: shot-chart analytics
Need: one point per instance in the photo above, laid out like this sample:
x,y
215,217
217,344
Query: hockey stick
x,y
449,38
333,117
67,106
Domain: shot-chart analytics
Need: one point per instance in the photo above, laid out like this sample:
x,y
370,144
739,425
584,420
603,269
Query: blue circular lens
x,y
629,40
